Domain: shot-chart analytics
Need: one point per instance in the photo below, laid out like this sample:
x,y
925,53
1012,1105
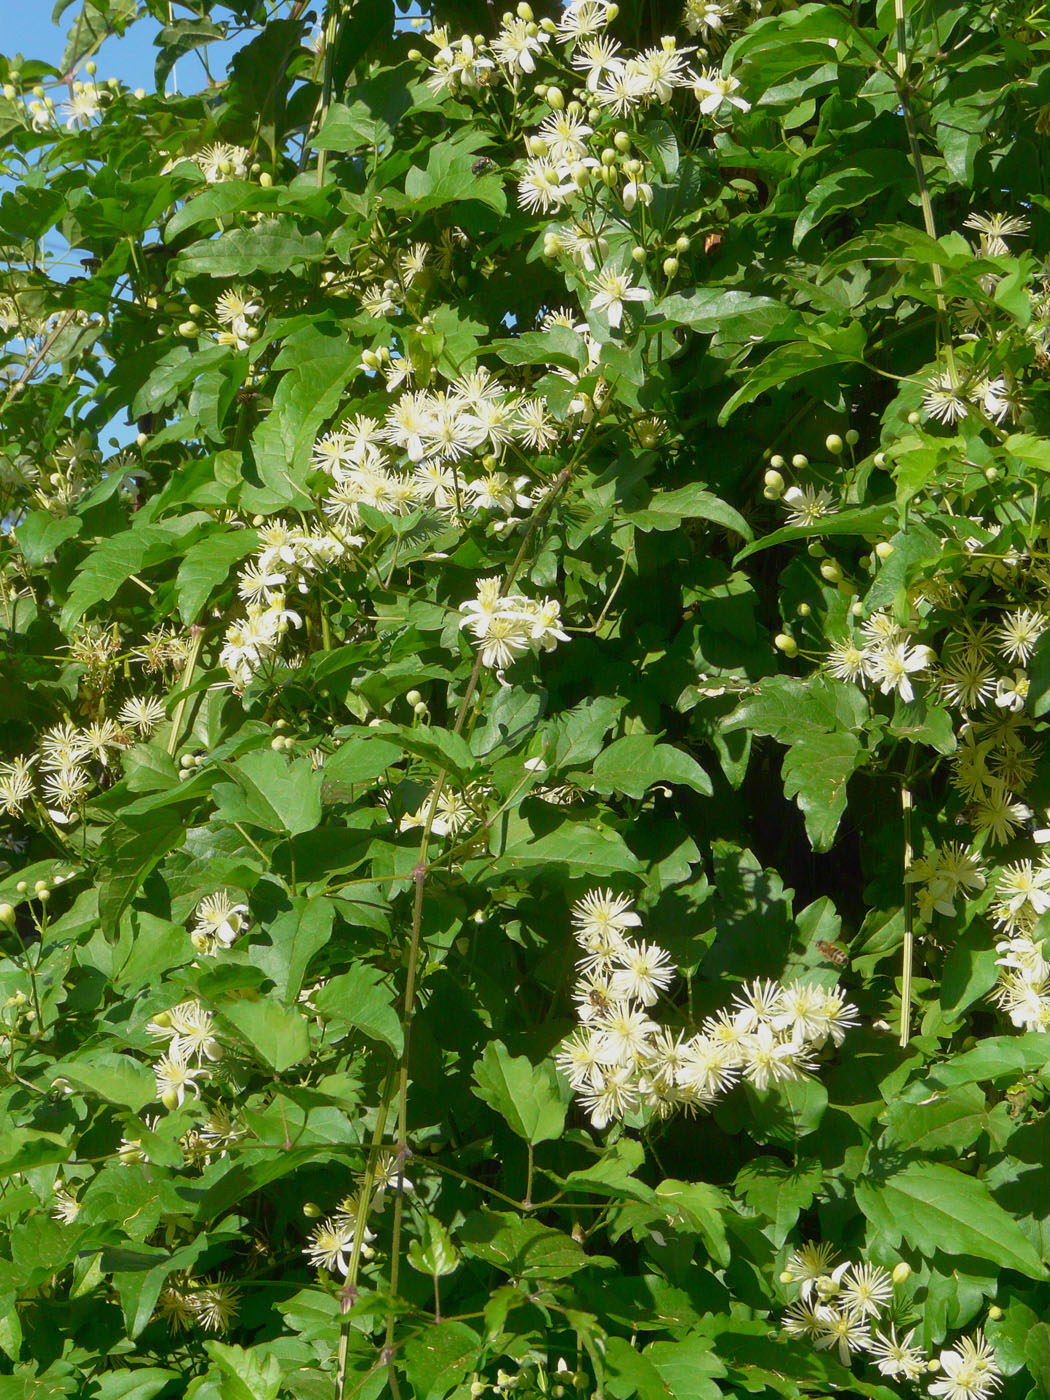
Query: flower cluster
x,y
621,1060
849,1306
189,1030
331,1243
885,653
288,556
185,1302
505,625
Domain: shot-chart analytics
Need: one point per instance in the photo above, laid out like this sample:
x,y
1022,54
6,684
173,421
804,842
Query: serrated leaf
x,y
937,1207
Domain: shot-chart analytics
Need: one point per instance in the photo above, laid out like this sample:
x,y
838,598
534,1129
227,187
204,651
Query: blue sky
x,y
27,29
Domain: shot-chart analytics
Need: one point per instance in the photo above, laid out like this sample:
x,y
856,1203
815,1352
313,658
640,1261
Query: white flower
x,y
711,89
611,289
1011,694
893,668
969,1371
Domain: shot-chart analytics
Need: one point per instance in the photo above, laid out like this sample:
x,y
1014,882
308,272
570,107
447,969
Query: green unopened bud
x,y
40,886
22,886
682,245
188,328
670,266
880,459
265,179
830,570
774,480
815,549
991,473
804,610
170,1099
555,99
415,55
995,1313
525,12
91,68
833,443
622,142
785,1277
608,156
638,254
10,91
884,549
140,93
611,12
901,1272
7,915
800,461
413,697
852,437
420,709
786,644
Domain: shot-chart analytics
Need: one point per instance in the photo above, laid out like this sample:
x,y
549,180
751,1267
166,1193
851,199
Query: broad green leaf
x,y
696,1206
279,1034
272,792
779,1191
521,1093
207,564
937,1207
816,769
436,1255
438,1358
634,763
360,999
270,246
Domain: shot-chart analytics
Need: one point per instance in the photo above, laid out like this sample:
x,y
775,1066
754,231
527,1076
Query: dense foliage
x,y
523,786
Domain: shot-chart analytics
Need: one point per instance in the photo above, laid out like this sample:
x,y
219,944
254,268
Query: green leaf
x,y
521,1093
437,1255
361,999
449,178
279,1034
113,561
522,1247
40,534
271,792
271,245
815,773
361,759
130,850
696,1206
317,363
252,1373
584,849
937,1207
634,763
667,509
867,520
439,1357
116,1078
779,1191
206,564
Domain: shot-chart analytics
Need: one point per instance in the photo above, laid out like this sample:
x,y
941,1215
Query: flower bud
x,y
815,549
7,915
311,1210
40,886
140,93
852,437
91,68
608,156
774,480
786,644
413,697
10,91
170,1099
830,570
880,459
785,1277
994,1313
611,12
638,254
670,266
833,443
555,99
277,743
777,461
884,549
901,1272
799,461
188,328
420,709
991,474
622,142
682,245
525,12
22,886
804,610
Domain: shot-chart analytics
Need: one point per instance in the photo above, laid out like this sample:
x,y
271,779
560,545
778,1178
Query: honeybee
x,y
832,952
